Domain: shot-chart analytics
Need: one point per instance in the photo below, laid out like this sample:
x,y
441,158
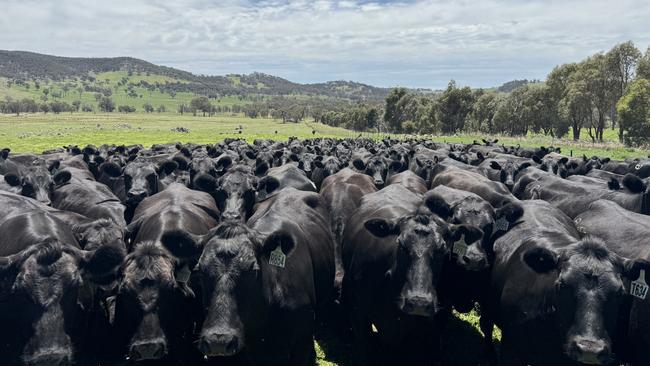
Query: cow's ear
x,y
12,179
495,141
484,141
537,159
437,204
103,261
472,233
261,169
632,268
634,183
541,260
614,184
480,156
223,164
381,228
281,239
183,244
4,153
168,166
495,165
205,183
61,177
359,164
53,165
294,157
394,166
511,212
564,160
606,160
524,166
111,169
249,154
268,185
319,164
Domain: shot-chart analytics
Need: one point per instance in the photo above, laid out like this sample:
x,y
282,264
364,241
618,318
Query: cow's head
x,y
33,181
587,294
150,303
235,193
508,171
140,180
47,302
233,260
421,250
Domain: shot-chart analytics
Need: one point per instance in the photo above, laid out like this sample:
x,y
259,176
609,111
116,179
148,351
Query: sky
x,y
412,43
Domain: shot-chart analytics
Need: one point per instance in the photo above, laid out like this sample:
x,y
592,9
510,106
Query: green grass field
x,y
38,132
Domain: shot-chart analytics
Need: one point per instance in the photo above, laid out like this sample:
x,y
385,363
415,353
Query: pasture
x,y
38,132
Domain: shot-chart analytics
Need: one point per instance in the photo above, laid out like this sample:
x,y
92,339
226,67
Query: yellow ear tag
x,y
277,258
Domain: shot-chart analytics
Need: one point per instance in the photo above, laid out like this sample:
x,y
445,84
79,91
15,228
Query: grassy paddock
x,y
38,132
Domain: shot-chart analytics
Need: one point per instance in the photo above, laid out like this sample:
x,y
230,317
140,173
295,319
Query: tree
x,y
509,117
392,115
76,104
634,113
601,88
453,107
148,107
621,61
643,68
106,104
200,104
483,112
126,109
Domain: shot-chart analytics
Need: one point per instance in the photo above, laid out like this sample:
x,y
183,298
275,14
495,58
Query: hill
x,y
21,67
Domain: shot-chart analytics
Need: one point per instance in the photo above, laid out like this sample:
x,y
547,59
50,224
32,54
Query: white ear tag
x,y
277,258
639,288
183,274
501,224
460,248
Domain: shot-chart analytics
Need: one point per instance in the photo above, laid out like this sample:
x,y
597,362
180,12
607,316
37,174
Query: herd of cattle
x,y
235,252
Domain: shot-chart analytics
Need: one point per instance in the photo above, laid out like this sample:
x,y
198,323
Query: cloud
x,y
413,43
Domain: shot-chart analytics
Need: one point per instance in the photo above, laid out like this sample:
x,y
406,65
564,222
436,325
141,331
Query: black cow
x,y
287,175
504,171
342,193
235,193
629,241
393,259
152,316
45,292
262,285
556,297
89,198
573,197
32,179
496,193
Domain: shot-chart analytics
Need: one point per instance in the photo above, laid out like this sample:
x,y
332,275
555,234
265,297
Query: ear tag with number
x,y
637,167
501,224
183,274
639,288
277,258
460,248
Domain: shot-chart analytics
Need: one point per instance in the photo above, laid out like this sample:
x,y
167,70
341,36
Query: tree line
x,y
609,89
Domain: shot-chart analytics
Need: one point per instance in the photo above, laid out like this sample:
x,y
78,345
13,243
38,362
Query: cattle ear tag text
x,y
183,274
460,248
639,288
501,224
277,258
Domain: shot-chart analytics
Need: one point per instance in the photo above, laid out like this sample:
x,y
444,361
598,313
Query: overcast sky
x,y
414,43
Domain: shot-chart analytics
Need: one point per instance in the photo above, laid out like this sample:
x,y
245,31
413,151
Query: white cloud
x,y
413,43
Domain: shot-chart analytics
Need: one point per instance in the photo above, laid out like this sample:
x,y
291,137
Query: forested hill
x,y
26,66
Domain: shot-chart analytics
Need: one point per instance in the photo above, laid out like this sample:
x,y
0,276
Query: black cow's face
x,y
306,162
33,181
47,302
150,303
235,196
508,172
421,251
375,167
589,292
229,269
140,181
98,233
